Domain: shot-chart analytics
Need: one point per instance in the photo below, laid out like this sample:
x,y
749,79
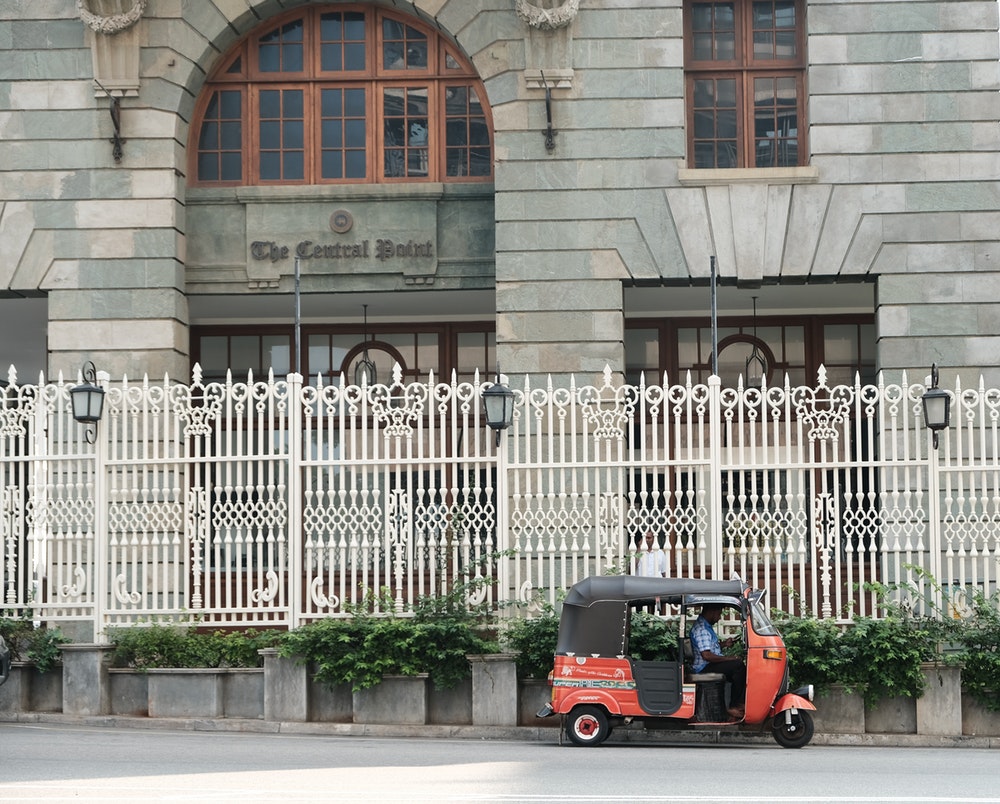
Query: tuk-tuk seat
x,y
710,690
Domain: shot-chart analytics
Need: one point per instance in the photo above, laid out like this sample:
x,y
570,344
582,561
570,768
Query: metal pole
x,y
715,324
298,321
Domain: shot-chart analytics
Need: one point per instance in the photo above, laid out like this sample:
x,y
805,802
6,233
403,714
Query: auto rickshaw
x,y
597,685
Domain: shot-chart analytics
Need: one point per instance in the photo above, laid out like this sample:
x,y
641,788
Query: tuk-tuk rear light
x,y
774,653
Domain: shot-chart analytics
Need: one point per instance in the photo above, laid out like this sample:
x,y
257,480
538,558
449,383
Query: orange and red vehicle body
x,y
596,684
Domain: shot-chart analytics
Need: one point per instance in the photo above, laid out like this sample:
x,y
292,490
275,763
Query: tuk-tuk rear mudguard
x,y
791,701
588,697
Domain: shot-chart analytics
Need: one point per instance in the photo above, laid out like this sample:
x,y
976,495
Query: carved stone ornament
x,y
115,23
547,19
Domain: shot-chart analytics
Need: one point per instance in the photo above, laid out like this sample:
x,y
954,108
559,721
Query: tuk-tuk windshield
x,y
758,615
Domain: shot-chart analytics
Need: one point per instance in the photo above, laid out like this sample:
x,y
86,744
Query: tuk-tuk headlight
x,y
805,692
774,653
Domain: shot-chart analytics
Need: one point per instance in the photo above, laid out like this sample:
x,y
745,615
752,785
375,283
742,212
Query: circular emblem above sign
x,y
341,221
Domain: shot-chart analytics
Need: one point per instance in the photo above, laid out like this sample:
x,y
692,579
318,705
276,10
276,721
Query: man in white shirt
x,y
650,561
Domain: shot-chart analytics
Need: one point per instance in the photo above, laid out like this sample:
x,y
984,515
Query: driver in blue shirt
x,y
708,657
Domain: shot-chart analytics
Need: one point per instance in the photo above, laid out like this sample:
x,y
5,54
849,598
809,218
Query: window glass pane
x,y
270,166
270,134
232,138
294,165
355,165
472,352
232,166
245,350
209,139
232,105
277,354
403,47
214,354
270,103
355,133
795,345
280,50
354,102
318,351
333,134
208,167
427,352
293,134
687,348
840,343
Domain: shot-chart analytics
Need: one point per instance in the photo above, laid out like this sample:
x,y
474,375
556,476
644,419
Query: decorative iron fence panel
x,y
273,502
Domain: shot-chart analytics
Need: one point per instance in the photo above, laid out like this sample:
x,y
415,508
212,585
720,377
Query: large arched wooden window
x,y
341,94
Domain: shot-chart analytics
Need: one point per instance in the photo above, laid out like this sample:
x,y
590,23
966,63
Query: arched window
x,y
341,94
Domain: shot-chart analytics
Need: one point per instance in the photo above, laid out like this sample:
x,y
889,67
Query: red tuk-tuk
x,y
597,685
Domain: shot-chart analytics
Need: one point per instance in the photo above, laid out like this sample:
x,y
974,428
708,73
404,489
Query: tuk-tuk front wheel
x,y
587,725
793,730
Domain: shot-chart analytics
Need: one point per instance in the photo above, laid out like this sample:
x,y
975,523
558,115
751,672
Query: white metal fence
x,y
274,502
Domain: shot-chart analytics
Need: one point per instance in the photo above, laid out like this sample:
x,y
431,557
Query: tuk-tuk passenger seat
x,y
710,690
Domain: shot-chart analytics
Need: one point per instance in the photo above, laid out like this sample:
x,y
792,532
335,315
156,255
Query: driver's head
x,y
712,612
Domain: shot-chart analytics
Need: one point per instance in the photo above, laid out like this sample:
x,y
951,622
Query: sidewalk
x,y
626,734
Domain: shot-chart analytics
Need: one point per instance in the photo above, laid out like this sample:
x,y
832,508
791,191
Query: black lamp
x,y
364,369
937,406
498,403
88,400
756,366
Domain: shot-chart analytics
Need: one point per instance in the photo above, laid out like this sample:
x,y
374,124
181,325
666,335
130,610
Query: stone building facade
x,y
837,162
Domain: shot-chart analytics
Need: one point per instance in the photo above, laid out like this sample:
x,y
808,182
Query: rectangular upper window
x,y
745,70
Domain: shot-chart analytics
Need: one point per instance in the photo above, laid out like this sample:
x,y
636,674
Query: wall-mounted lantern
x,y
498,403
88,401
937,406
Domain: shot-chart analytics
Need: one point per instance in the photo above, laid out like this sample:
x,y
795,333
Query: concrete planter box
x,y
400,700
330,705
129,692
186,692
243,692
532,695
839,711
15,694
977,720
451,707
27,690
892,716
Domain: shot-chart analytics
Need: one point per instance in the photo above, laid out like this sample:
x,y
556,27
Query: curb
x,y
623,735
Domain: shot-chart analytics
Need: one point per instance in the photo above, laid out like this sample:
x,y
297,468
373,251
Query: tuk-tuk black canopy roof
x,y
596,610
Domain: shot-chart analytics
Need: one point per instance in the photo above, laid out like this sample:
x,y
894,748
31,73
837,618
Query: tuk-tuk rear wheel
x,y
587,725
795,734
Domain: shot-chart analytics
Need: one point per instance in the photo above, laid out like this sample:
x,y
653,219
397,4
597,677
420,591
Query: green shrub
x,y
361,649
652,638
162,645
978,636
883,656
533,640
40,646
435,639
813,648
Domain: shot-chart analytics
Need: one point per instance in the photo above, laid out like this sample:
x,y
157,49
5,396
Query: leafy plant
x,y
653,638
883,656
434,638
164,645
534,640
979,638
39,646
813,648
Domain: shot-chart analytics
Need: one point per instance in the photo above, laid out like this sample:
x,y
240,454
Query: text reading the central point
x,y
382,249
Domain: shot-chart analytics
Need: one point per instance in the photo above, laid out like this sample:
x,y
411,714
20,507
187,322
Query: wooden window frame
x,y
437,76
744,68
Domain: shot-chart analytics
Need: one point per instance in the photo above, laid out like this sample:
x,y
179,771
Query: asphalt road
x,y
55,762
